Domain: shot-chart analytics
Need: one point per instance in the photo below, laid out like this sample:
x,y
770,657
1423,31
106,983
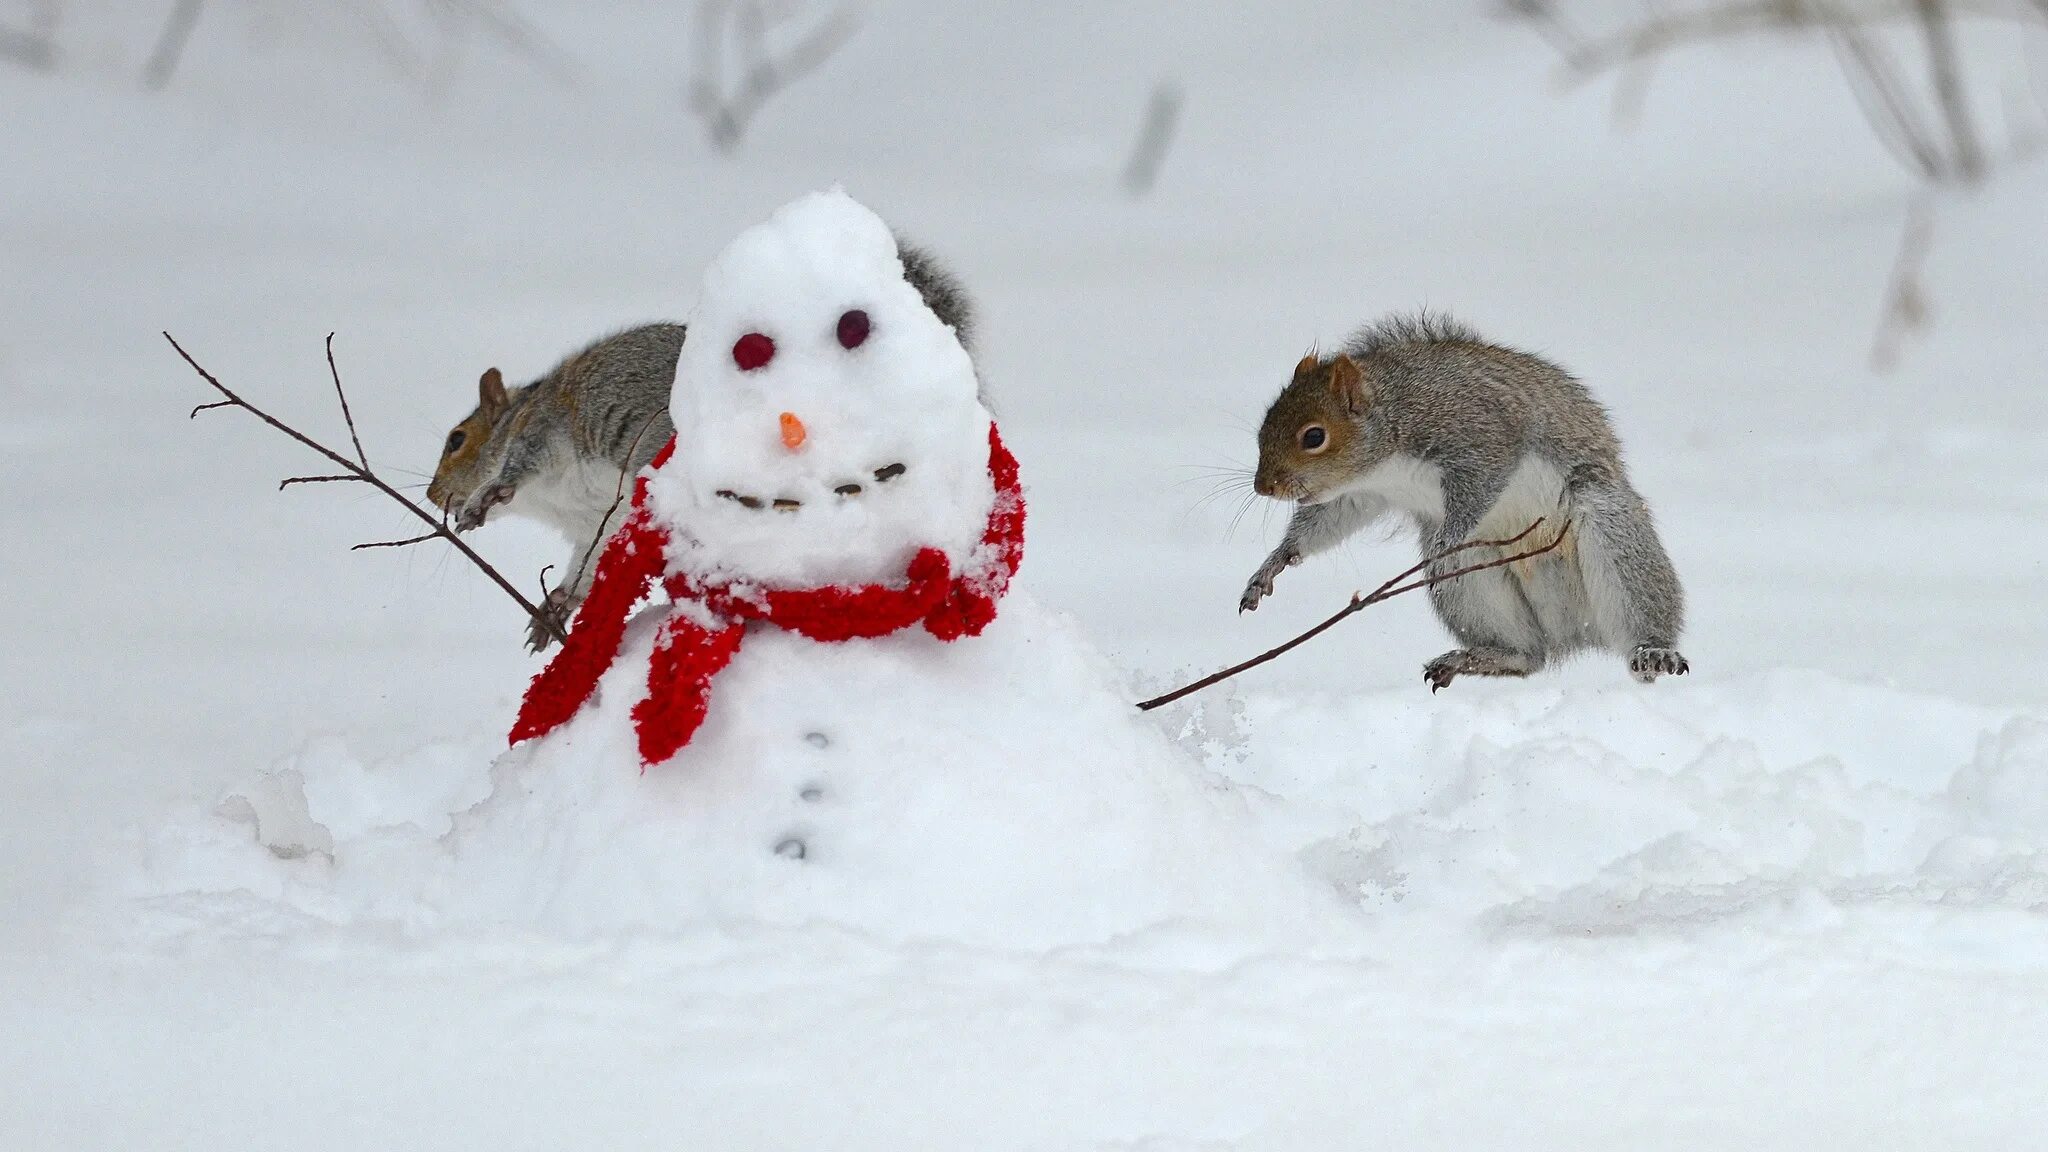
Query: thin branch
x,y
289,481
346,416
1387,591
362,472
407,542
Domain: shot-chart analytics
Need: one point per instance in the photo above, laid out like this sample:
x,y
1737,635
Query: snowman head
x,y
828,424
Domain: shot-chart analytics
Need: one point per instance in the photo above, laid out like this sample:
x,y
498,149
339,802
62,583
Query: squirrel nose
x,y
793,432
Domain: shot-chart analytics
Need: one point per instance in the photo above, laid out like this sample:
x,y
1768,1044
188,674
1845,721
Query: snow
x,y
907,395
271,879
995,792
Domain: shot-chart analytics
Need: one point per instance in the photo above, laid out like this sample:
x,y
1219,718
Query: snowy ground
x,y
1794,900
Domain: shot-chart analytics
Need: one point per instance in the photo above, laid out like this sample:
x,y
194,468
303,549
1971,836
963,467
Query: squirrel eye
x,y
455,440
853,329
1314,438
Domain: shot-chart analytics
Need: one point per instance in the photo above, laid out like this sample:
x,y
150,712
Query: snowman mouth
x,y
846,491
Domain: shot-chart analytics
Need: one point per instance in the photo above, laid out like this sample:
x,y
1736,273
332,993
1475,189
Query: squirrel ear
x,y
490,390
1308,364
1347,384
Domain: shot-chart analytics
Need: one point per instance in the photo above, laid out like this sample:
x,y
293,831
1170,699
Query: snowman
x,y
834,475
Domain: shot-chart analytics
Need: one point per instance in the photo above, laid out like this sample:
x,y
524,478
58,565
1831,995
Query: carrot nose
x,y
793,433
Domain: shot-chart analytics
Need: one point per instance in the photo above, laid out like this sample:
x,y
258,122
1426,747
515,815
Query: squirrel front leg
x,y
1313,528
565,598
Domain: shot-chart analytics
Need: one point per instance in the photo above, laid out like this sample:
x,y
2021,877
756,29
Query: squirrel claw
x,y
1261,585
553,617
1649,661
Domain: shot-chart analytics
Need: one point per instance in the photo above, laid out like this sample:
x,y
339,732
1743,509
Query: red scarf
x,y
688,654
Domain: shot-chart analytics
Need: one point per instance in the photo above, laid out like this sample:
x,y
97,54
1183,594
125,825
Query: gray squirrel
x,y
1420,417
563,448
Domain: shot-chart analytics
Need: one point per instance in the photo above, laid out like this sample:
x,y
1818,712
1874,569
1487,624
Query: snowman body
x,y
997,792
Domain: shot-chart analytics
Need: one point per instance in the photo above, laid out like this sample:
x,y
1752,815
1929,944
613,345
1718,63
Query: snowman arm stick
x,y
1404,582
359,471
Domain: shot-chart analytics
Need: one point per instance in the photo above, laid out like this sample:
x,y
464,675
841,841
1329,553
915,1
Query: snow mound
x,y
996,792
1592,812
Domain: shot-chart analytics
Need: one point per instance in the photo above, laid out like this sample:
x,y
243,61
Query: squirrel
x,y
1417,416
564,448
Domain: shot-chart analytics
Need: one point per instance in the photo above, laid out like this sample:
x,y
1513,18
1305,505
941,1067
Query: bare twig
x,y
291,480
405,543
359,470
1155,139
347,417
1399,585
726,115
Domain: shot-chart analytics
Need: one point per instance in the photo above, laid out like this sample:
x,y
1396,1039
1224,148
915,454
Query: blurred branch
x,y
1155,138
413,54
1880,88
33,47
170,44
1946,77
741,28
1905,300
1587,55
501,24
1928,127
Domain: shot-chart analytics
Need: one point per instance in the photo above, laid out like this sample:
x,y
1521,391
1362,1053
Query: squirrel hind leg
x,y
1636,600
1439,673
1495,622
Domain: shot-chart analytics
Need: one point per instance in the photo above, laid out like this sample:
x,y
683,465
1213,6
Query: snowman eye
x,y
853,329
752,351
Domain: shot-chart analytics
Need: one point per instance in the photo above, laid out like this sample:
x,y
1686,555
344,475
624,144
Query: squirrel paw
x,y
555,612
1648,662
1261,585
1439,673
477,509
